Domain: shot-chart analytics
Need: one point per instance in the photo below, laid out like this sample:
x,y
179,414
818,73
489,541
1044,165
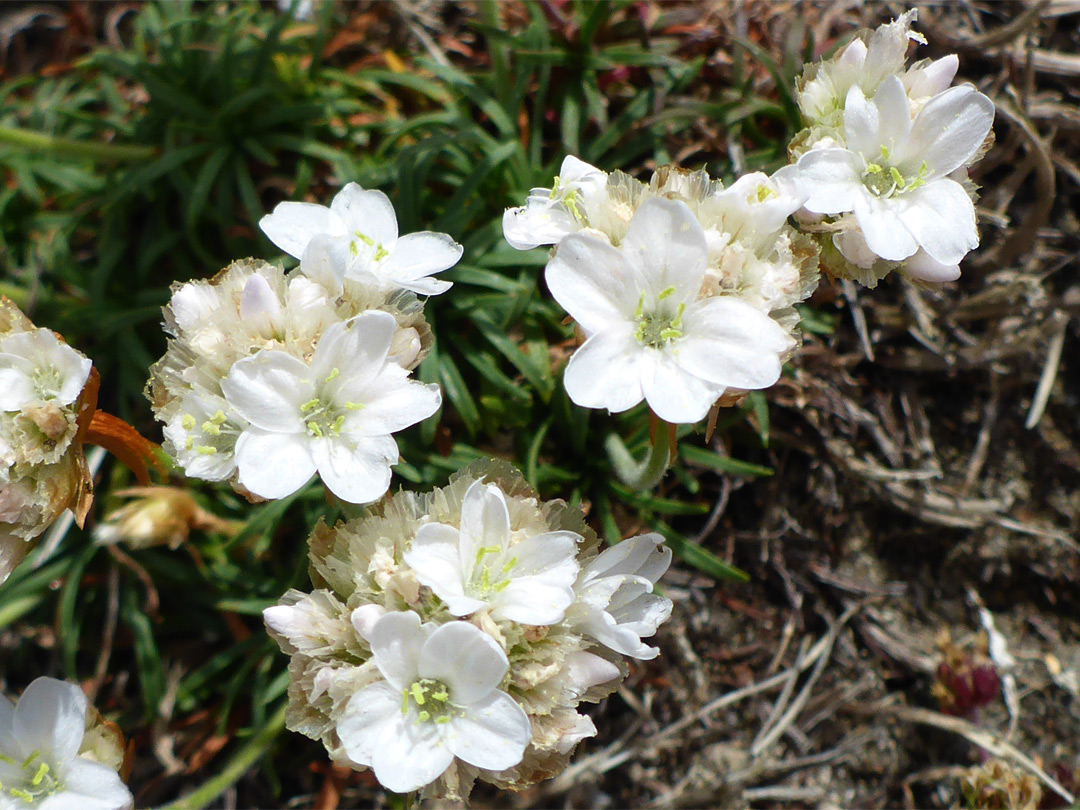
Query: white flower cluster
x,y
453,635
272,377
42,468
685,290
56,753
884,156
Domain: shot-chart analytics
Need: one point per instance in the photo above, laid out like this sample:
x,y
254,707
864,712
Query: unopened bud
x,y
159,516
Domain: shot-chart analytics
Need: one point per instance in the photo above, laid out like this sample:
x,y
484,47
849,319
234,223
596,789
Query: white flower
x,y
363,230
439,700
38,367
616,605
333,415
894,173
649,335
477,566
202,436
39,745
549,214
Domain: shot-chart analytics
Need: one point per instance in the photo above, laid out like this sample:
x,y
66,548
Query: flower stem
x,y
644,475
40,142
247,756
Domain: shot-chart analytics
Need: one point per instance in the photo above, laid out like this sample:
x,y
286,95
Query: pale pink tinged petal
x,y
356,348
831,179
370,716
492,734
268,389
942,219
606,371
321,265
894,116
362,619
273,465
593,282
675,395
357,471
367,212
949,129
390,402
16,389
862,124
881,226
465,658
485,521
923,267
537,223
420,254
260,306
50,717
292,225
396,641
412,755
95,786
665,240
539,600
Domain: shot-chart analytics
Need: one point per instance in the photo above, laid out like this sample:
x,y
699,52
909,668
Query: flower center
x,y
884,180
488,576
38,780
214,435
46,381
432,701
655,329
358,237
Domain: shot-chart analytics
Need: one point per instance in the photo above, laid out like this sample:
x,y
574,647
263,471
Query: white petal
x,y
465,658
193,302
392,402
411,755
93,786
356,470
320,265
831,179
862,123
273,465
268,390
949,129
292,225
923,267
933,79
485,521
362,619
894,117
942,219
852,246
538,222
435,556
539,600
396,641
368,719
352,352
492,735
585,670
603,627
667,243
51,718
593,282
260,307
881,226
606,371
644,555
16,388
367,212
420,254
7,718
675,395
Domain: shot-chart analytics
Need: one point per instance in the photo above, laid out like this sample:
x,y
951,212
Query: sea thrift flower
x,y
475,567
388,673
45,761
616,603
894,173
550,214
362,230
649,334
439,700
333,415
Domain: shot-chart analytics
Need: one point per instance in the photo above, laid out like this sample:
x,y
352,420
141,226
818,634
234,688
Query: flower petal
x,y
492,734
396,640
292,225
606,371
593,282
417,255
273,465
644,555
831,178
369,213
862,123
357,470
538,222
268,390
923,267
351,353
435,556
881,226
894,117
675,395
392,402
319,263
50,718
92,786
539,600
16,388
949,129
667,243
368,719
465,658
942,219
260,307
411,755
485,522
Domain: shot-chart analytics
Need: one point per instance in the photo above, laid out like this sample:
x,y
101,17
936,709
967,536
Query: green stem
x,y
639,476
39,142
247,756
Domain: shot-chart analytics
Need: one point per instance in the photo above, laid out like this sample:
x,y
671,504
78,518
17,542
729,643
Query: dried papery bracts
x,y
453,636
